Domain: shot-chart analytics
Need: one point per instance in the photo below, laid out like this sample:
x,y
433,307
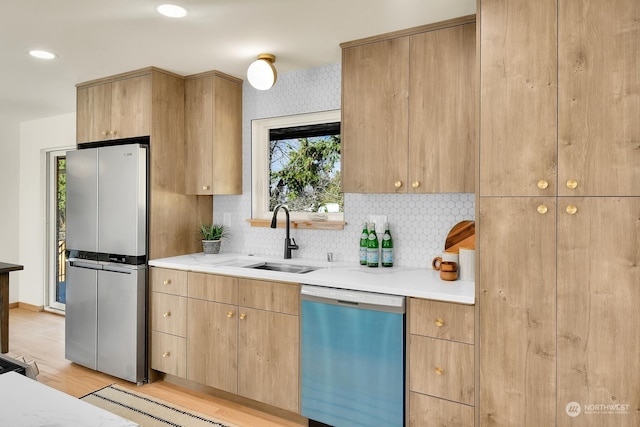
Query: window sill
x,y
301,224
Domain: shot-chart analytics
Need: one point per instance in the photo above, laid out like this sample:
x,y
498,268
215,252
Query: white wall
x,y
36,138
9,207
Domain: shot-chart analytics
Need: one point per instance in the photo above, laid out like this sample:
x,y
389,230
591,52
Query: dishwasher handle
x,y
357,299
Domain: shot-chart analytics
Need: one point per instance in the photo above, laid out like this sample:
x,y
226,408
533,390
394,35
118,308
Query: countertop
x,y
28,403
402,281
5,268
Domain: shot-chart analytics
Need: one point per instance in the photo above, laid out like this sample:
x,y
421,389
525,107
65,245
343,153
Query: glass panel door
x,y
56,229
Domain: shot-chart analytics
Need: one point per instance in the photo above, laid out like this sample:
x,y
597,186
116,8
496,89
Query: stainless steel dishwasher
x,y
352,357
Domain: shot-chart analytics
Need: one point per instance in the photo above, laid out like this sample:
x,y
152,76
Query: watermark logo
x,y
573,409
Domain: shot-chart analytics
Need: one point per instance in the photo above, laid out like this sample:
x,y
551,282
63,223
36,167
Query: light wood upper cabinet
x,y
442,111
408,111
375,115
518,120
213,134
599,100
114,110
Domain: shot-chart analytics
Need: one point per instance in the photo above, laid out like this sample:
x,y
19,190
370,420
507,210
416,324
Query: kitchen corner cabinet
x,y
213,134
149,102
240,335
114,110
559,212
441,373
408,103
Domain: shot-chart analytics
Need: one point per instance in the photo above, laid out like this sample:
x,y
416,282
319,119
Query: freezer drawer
x,y
80,318
121,323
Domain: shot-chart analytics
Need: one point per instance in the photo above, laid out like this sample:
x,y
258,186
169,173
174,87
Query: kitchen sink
x,y
285,268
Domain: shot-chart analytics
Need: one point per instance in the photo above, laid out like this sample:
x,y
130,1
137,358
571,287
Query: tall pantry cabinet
x,y
559,213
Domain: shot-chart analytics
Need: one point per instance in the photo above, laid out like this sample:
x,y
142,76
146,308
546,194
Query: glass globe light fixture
x,y
262,74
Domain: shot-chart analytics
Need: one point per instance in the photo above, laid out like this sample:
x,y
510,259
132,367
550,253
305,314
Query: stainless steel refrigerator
x,y
106,238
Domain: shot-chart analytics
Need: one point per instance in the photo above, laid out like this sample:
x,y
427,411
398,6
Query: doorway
x,y
56,229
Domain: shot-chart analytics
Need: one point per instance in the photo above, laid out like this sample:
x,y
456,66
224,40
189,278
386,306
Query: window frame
x,y
260,162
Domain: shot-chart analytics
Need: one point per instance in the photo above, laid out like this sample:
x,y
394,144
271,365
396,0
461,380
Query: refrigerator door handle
x,y
117,269
84,264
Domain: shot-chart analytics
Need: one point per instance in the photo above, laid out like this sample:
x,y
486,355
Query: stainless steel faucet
x,y
289,243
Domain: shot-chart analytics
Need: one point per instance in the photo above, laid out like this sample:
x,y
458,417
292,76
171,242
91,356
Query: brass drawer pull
x,y
397,184
167,282
571,210
230,314
166,314
243,316
439,371
542,209
543,184
439,322
166,354
572,184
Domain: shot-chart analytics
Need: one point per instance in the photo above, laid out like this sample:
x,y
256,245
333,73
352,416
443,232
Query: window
x,y
296,160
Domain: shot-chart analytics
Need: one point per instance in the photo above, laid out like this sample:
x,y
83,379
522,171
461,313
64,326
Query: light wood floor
x,y
40,337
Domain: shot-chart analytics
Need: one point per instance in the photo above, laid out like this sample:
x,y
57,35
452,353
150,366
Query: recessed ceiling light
x,y
42,54
172,11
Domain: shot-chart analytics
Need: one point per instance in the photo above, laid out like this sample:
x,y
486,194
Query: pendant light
x,y
262,74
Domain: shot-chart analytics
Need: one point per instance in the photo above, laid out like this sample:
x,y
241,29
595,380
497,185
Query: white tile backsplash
x,y
419,223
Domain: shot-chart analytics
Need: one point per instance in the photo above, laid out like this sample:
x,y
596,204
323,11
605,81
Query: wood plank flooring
x,y
39,336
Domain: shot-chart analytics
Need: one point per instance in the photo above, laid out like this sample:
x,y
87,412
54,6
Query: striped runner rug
x,y
148,411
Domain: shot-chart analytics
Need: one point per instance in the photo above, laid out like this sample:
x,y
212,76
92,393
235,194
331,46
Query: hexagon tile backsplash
x,y
419,226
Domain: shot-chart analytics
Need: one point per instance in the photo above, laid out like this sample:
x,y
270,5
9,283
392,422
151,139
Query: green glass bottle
x,y
387,247
364,243
372,247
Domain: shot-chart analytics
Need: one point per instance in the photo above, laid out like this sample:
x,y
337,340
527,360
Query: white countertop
x,y
403,281
27,403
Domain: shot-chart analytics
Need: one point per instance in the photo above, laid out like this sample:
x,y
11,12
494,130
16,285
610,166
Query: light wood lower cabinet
x,y
240,335
441,371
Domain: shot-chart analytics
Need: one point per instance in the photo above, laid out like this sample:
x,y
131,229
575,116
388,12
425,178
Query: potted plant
x,y
212,235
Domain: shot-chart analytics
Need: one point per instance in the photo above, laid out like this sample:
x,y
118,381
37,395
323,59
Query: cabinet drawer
x,y
169,354
444,320
441,368
169,281
169,314
280,297
212,287
431,411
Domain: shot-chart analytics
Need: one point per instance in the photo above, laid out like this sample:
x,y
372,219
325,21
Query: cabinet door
x,y
375,88
199,135
599,75
430,411
268,358
131,107
598,316
517,272
213,135
442,111
93,121
212,344
169,314
518,74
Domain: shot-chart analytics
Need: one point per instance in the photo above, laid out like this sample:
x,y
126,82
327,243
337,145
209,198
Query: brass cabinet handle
x,y
415,184
205,187
167,282
243,316
572,183
397,184
229,314
439,371
571,210
439,321
166,314
104,133
543,184
166,354
542,209
114,132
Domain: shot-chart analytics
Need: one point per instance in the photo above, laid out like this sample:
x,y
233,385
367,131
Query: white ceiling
x,y
98,38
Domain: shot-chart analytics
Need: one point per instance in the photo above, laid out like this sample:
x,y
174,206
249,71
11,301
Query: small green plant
x,y
213,232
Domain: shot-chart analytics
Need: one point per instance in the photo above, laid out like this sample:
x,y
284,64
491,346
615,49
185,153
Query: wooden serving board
x,y
462,235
